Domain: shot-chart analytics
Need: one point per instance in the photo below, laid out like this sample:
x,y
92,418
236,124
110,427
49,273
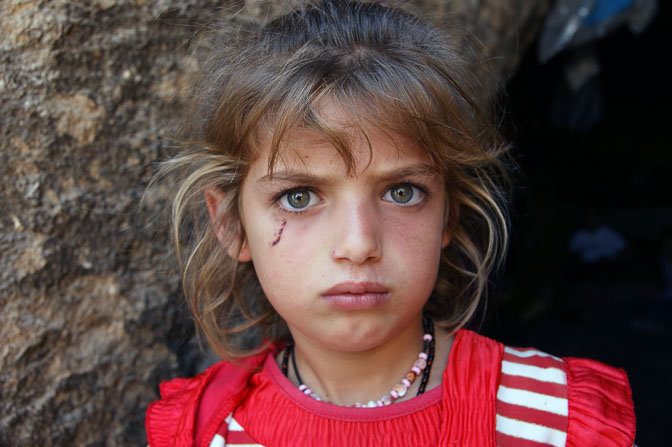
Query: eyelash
x,y
423,194
285,193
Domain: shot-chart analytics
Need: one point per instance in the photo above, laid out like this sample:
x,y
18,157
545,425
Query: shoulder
x,y
189,408
601,411
562,401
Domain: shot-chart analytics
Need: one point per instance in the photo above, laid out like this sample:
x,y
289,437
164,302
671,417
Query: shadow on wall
x,y
590,266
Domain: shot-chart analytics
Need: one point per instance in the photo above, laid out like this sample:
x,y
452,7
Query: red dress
x,y
490,396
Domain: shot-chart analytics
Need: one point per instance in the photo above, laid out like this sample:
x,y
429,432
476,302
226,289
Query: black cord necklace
x,y
422,365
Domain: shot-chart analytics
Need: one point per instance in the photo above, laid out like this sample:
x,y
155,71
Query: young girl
x,y
342,203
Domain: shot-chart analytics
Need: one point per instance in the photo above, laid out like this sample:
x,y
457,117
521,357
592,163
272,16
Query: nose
x,y
358,232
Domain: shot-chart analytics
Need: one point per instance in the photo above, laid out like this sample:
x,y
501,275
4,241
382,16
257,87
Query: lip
x,y
356,295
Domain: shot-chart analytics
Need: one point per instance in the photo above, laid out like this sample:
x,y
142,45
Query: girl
x,y
343,209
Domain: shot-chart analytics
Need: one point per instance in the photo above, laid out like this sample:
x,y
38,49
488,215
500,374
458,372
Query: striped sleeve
x,y
531,403
231,433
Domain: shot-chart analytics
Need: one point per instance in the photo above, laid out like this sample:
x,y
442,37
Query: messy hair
x,y
390,71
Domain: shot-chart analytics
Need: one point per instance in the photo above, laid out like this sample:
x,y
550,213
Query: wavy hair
x,y
387,69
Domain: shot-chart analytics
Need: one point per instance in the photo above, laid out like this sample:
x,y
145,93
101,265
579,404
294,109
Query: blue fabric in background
x,y
603,9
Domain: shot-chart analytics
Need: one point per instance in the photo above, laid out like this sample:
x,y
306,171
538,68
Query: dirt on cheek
x,y
278,233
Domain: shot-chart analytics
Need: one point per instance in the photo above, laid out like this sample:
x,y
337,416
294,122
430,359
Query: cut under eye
x,y
404,194
297,199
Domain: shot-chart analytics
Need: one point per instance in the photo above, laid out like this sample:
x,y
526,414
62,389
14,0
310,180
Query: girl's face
x,y
347,261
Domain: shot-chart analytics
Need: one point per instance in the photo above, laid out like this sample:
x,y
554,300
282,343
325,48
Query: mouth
x,y
356,295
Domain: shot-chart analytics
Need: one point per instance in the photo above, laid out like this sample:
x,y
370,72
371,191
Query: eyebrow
x,y
422,169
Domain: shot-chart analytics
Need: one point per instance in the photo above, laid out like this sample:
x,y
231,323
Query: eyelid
x,y
420,194
282,196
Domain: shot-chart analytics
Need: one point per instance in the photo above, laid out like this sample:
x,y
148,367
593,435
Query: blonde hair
x,y
388,69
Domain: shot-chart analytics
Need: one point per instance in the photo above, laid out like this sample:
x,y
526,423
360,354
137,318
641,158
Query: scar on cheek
x,y
278,234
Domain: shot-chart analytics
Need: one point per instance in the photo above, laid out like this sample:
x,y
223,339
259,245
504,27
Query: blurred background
x,y
589,272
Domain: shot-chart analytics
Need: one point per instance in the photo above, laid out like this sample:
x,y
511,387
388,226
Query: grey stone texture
x,y
91,318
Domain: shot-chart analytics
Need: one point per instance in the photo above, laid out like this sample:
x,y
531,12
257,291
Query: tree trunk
x,y
91,318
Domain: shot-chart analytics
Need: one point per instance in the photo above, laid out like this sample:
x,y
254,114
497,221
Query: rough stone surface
x,y
90,314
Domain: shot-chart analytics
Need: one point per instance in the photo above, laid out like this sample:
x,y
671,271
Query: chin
x,y
357,340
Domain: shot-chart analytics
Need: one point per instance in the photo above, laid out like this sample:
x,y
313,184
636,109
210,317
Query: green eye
x,y
402,193
405,194
299,198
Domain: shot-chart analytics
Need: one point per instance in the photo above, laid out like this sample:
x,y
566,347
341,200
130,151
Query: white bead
x,y
420,363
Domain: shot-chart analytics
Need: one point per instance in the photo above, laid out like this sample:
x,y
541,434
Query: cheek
x,y
288,269
415,246
283,246
299,245
278,233
418,236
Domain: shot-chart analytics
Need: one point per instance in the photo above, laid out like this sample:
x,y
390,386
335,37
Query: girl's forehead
x,y
373,153
337,134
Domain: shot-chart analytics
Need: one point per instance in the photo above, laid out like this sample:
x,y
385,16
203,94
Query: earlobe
x,y
244,254
452,217
445,240
213,197
213,200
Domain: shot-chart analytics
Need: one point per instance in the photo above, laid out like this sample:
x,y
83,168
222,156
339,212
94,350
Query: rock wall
x,y
91,318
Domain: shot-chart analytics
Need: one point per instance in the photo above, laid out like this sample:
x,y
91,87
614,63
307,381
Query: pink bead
x,y
406,382
420,363
400,389
416,370
379,403
422,355
427,337
394,394
387,399
307,391
303,387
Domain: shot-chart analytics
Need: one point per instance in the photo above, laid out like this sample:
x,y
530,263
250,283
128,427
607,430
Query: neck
x,y
344,377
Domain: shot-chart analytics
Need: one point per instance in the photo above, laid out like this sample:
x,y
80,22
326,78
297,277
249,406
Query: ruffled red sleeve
x,y
170,421
190,410
601,412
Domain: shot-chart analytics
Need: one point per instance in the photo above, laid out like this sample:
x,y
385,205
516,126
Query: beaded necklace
x,y
423,365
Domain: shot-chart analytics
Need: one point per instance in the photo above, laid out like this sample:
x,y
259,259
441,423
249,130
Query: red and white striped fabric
x,y
232,434
532,402
491,395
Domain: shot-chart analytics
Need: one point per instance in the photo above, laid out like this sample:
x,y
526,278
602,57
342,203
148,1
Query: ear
x,y
213,200
452,217
447,235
